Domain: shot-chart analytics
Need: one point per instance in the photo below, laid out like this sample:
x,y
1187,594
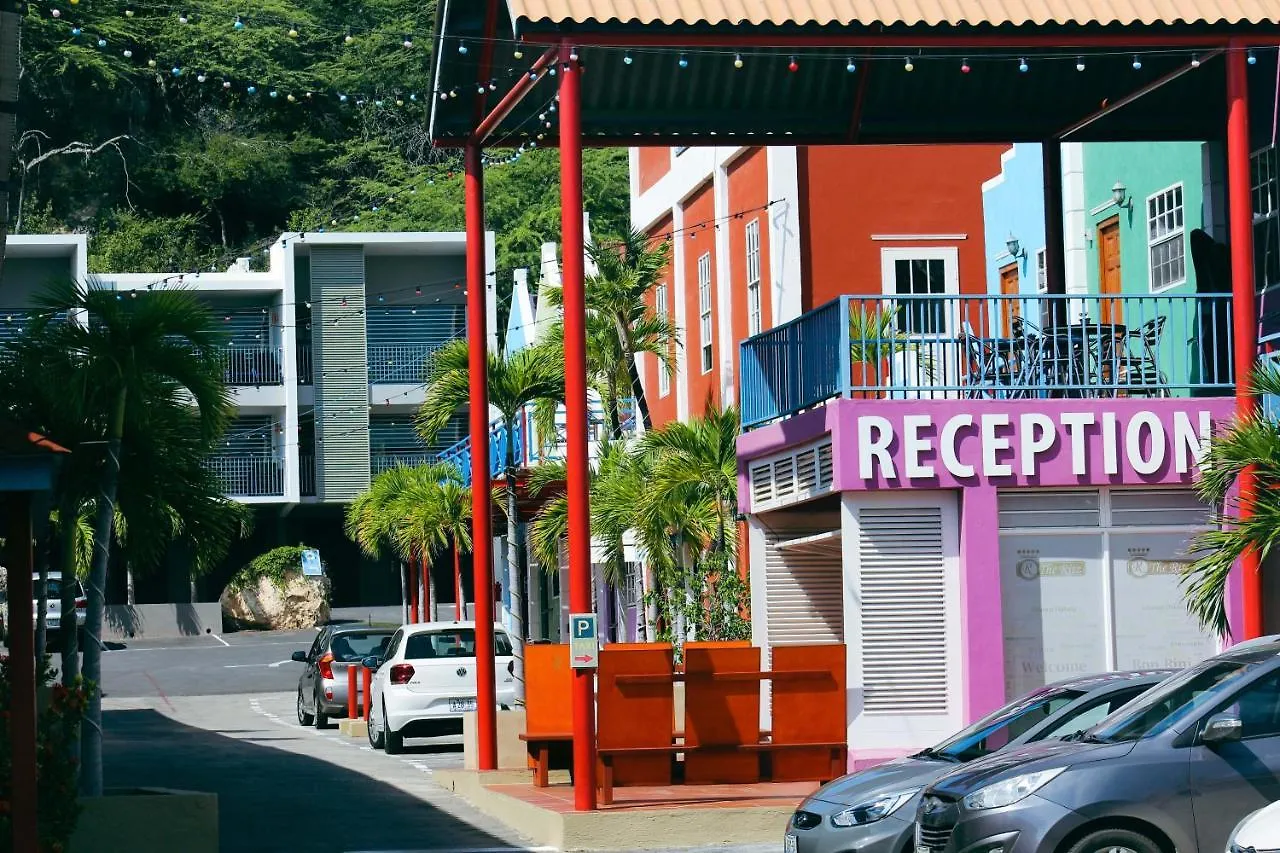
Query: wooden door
x,y
1009,308
1110,310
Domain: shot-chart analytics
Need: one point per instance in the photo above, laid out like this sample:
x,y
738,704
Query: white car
x,y
1259,831
53,605
426,681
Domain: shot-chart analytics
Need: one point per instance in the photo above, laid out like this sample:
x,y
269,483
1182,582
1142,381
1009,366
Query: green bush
x,y
275,564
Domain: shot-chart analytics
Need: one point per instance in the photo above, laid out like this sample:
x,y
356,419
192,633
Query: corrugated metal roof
x,y
890,12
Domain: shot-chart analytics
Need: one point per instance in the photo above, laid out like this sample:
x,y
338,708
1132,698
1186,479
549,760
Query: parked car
x,y
1258,831
322,687
872,811
426,681
1176,769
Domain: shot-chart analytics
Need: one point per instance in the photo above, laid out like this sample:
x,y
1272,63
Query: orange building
x,y
760,235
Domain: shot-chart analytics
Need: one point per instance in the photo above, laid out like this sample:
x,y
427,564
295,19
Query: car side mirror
x,y
371,662
300,657
1222,728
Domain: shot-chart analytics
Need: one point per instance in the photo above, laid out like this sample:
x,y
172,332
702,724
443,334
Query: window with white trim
x,y
755,319
1265,173
704,310
1042,271
1166,239
660,310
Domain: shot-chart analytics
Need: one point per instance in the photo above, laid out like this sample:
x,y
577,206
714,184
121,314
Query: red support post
x,y
366,689
351,691
413,590
1243,303
22,672
481,512
575,363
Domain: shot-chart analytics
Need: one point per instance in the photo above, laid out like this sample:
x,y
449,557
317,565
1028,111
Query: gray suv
x,y
871,811
1174,770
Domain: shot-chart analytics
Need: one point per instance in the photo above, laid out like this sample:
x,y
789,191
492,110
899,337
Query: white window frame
x,y
1179,234
662,312
949,255
755,312
705,326
1042,271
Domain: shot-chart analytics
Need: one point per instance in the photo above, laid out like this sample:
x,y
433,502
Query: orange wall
x,y
654,163
661,409
698,240
853,193
748,190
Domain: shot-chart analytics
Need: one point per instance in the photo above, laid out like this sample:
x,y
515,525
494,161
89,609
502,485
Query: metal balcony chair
x,y
1137,369
989,367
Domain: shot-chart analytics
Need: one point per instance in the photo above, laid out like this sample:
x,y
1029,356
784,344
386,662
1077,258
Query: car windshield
x,y
996,730
352,646
451,643
1173,701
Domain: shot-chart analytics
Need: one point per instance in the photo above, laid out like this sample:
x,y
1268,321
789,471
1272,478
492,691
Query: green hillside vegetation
x,y
179,141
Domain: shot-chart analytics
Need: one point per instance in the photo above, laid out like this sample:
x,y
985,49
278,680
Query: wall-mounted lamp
x,y
1120,195
1015,248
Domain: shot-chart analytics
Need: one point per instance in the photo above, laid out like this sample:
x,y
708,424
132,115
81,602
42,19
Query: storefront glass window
x,y
1152,626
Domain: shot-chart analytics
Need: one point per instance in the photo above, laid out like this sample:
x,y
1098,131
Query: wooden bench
x,y
839,753
604,757
540,750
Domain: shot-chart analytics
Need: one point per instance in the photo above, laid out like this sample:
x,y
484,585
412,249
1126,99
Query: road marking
x,y
220,640
254,665
471,850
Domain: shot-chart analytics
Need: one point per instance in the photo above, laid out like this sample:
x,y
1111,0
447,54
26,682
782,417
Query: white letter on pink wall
x,y
1133,442
913,445
876,447
1075,422
991,444
1191,446
947,446
1038,436
1110,440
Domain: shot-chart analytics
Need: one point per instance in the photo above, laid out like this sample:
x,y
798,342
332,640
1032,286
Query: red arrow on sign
x,y
583,659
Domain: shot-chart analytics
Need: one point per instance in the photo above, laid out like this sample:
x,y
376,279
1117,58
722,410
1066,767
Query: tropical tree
x,y
1251,441
132,357
10,64
627,271
530,378
411,511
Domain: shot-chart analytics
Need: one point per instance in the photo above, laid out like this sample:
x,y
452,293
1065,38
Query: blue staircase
x,y
459,454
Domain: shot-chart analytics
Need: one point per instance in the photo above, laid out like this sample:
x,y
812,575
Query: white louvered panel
x,y
790,477
761,483
825,467
804,593
902,585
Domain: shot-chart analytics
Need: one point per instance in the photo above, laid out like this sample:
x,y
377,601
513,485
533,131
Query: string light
x,y
518,53
348,39
1250,58
793,66
1137,63
293,33
182,19
573,54
1079,63
684,61
850,66
1195,61
408,42
1022,66
626,59
239,24
964,66
907,64
102,42
462,48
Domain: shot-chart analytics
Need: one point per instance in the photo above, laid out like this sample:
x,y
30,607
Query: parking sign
x,y
584,643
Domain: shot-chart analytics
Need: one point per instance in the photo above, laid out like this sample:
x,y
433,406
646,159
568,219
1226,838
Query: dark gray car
x,y
1175,770
871,811
322,687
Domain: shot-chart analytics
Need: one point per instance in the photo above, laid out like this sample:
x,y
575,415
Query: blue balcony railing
x,y
460,454
1015,346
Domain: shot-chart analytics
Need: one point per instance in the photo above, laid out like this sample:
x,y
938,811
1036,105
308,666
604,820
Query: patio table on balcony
x,y
1079,359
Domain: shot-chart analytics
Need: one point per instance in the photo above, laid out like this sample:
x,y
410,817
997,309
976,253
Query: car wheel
x,y
392,742
1115,841
321,718
375,734
304,719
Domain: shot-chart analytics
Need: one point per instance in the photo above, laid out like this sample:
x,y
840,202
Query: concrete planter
x,y
512,753
147,820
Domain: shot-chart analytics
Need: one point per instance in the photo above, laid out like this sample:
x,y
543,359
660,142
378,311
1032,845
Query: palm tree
x,y
532,377
1251,442
10,67
130,354
627,271
455,525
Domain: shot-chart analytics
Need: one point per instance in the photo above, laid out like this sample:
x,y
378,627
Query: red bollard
x,y
368,690
351,691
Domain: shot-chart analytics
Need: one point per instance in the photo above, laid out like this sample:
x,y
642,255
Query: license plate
x,y
923,850
462,705
789,844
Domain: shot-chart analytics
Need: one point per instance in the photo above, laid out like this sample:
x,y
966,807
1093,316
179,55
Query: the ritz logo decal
x,y
1030,567
1140,565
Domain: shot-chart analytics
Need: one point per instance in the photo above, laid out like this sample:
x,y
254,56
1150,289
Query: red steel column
x,y
366,687
413,590
351,691
481,517
575,381
1243,301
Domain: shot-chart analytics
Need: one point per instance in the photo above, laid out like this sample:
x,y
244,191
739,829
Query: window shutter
x,y
797,475
804,592
902,584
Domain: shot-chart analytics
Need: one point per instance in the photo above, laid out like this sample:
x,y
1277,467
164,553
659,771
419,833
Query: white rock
x,y
300,602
